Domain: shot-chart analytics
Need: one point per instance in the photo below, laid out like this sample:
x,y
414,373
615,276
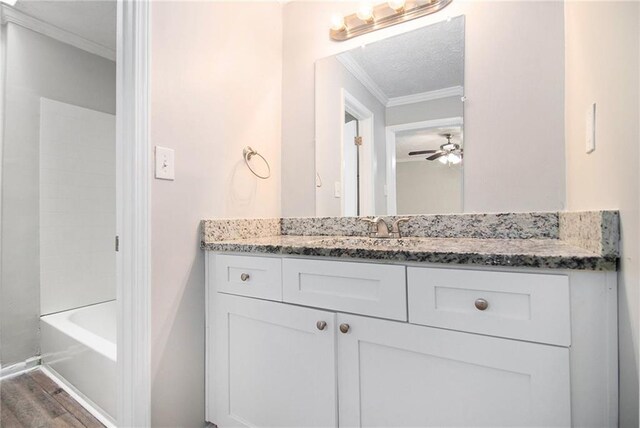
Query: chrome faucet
x,y
378,228
395,227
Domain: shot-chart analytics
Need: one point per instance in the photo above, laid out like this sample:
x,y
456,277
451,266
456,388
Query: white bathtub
x,y
79,345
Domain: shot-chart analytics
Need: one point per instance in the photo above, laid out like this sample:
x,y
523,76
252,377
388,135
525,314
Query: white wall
x,y
425,110
331,77
603,66
36,66
426,187
77,206
215,88
514,77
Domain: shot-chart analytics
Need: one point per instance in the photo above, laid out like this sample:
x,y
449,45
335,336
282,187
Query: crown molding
x,y
363,77
9,14
453,91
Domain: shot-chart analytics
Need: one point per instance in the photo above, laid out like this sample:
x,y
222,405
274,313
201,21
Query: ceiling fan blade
x,y
422,152
436,156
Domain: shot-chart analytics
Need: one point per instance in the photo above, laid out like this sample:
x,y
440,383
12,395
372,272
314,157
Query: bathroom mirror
x,y
389,125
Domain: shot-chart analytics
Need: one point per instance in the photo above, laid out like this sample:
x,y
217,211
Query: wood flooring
x,y
33,400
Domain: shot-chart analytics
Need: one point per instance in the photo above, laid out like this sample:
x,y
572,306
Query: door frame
x,y
365,117
390,132
133,214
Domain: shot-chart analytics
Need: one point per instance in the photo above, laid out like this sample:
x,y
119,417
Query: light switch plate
x,y
337,189
165,163
591,129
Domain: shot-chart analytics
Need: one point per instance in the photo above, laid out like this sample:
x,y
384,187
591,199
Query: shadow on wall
x,y
242,187
184,336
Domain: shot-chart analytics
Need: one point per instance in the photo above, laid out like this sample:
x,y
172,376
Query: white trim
x,y
425,124
17,17
392,200
133,225
413,159
367,159
78,396
19,368
390,132
363,77
3,62
426,96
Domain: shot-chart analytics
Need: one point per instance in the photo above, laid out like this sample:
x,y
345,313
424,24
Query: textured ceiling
x,y
422,60
424,139
91,19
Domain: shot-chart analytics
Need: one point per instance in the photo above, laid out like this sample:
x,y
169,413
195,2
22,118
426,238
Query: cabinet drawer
x,y
533,307
249,276
361,288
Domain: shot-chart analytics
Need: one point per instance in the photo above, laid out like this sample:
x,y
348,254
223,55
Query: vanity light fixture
x,y
370,18
365,12
397,5
337,23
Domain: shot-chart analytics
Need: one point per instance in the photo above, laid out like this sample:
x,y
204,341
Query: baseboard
x,y
19,368
82,399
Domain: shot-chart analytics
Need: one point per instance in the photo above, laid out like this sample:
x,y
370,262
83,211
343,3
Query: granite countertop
x,y
585,241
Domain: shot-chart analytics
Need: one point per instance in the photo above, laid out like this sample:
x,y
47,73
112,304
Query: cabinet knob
x,y
321,325
244,277
481,304
344,328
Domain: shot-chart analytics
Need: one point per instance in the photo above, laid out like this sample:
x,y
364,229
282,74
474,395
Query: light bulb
x,y
443,159
365,12
337,23
397,5
454,158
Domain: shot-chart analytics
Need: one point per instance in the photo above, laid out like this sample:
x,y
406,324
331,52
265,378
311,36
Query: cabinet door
x,y
275,366
397,374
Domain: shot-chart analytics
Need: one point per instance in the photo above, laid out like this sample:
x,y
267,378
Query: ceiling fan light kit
x,y
449,153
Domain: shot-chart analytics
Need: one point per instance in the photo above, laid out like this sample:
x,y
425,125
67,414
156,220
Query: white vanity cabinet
x,y
380,344
275,366
396,374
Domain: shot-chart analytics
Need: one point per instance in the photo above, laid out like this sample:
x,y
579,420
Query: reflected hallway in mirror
x,y
406,95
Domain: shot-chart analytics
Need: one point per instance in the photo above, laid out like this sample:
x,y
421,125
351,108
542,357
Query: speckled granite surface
x,y
545,240
498,226
219,230
596,231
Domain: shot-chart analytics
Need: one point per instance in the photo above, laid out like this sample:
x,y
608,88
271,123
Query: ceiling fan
x,y
449,153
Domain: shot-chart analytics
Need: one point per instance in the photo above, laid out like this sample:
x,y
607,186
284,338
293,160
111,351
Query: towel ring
x,y
248,153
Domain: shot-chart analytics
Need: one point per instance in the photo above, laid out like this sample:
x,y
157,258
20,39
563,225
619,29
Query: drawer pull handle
x,y
245,277
344,328
481,304
321,325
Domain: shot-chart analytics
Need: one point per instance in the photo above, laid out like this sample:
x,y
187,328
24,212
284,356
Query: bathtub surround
x,y
77,206
36,66
525,239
